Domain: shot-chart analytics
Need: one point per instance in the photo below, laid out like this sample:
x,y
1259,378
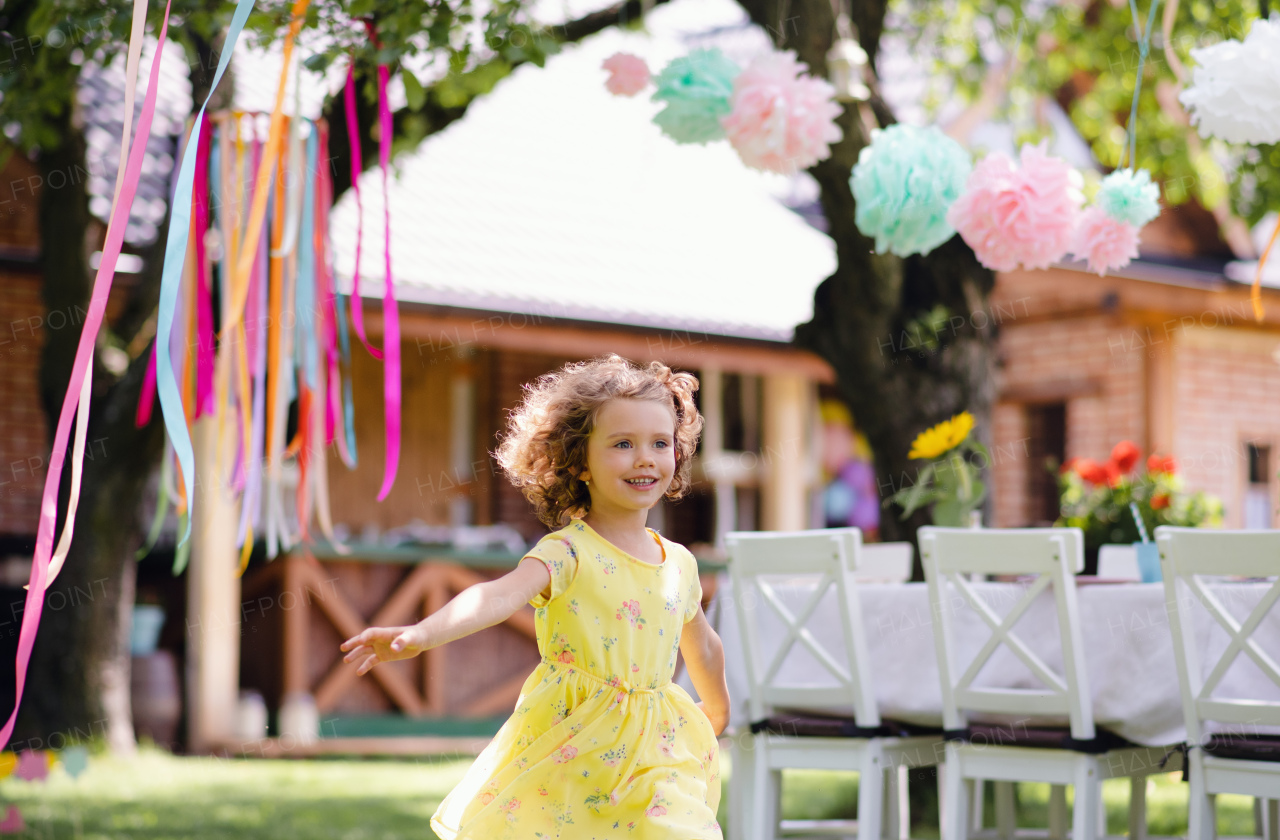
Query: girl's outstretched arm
x,y
704,657
474,608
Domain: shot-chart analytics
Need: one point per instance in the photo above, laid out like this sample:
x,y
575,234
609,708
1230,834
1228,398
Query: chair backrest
x,y
1053,556
885,562
1118,562
762,565
1187,556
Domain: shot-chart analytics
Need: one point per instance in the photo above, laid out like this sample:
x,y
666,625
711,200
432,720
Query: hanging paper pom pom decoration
x,y
696,90
904,182
1235,90
783,119
1011,215
1129,196
1104,242
628,74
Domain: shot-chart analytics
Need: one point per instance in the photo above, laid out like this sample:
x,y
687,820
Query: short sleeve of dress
x,y
693,597
561,559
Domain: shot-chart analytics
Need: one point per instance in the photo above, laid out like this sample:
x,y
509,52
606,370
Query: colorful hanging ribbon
x,y
171,403
40,565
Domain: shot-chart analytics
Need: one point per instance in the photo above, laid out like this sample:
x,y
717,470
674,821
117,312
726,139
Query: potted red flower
x,y
1095,497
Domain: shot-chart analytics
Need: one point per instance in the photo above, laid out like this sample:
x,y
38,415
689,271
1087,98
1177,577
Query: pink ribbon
x,y
147,397
205,401
34,604
390,310
357,166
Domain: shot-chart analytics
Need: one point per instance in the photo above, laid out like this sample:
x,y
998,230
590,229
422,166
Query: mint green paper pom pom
x,y
904,183
1129,196
696,90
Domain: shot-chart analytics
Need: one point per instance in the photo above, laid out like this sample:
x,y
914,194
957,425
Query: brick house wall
x,y
1178,369
1227,396
24,443
24,438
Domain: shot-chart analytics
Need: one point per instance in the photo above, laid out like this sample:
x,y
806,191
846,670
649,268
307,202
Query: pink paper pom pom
x,y
782,121
628,74
1013,216
1106,243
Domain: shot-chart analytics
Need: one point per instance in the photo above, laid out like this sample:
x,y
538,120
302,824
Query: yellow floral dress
x,y
602,744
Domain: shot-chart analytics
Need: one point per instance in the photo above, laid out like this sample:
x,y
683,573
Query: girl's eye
x,y
625,443
661,443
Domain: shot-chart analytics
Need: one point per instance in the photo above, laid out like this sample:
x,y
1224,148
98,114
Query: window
x,y
1257,495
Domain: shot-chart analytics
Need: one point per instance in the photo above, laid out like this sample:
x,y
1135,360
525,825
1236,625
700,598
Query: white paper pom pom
x,y
1235,92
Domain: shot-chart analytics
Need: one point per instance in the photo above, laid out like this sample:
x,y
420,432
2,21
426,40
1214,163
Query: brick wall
x,y
1226,395
24,440
1083,362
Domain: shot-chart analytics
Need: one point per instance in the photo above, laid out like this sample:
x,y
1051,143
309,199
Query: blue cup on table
x,y
1148,554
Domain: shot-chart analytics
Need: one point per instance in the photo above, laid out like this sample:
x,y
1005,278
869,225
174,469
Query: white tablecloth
x,y
1128,650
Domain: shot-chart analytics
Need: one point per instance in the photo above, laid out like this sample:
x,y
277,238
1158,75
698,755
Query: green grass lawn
x,y
157,796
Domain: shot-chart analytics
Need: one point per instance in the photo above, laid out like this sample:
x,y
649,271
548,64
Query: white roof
x,y
555,198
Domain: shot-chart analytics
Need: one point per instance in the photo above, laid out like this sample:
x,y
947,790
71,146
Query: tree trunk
x,y
873,317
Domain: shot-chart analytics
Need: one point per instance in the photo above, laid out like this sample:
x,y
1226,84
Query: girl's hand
x,y
384,644
719,717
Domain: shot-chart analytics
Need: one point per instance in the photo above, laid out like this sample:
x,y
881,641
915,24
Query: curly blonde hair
x,y
545,447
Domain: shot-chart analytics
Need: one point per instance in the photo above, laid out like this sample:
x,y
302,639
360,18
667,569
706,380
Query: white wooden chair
x,y
1239,760
1079,755
1118,562
762,565
884,563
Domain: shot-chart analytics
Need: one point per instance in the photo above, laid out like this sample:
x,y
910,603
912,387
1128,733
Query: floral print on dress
x,y
606,565
630,610
562,651
599,743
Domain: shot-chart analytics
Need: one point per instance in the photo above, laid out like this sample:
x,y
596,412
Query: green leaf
x,y
318,63
414,92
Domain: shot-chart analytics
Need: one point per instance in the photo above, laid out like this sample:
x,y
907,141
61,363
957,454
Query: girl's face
x,y
631,455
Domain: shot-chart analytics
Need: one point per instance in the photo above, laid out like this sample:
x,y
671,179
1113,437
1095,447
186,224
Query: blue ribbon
x,y
175,254
306,347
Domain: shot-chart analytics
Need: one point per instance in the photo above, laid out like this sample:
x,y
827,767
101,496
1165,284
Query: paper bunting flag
x,y
75,760
12,822
33,765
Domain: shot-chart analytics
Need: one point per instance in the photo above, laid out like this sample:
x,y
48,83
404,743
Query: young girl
x,y
602,744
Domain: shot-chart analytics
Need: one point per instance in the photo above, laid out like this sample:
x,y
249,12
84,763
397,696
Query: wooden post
x,y
213,603
784,486
713,454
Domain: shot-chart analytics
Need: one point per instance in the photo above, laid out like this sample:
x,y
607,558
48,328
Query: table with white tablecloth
x,y
1128,649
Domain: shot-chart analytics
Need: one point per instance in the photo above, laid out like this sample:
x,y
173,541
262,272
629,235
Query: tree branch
x,y
433,116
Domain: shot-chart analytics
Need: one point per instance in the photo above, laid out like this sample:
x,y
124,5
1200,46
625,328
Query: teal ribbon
x,y
175,254
306,346
1144,46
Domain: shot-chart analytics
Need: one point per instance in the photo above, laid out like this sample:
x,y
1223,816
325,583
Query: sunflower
x,y
943,437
